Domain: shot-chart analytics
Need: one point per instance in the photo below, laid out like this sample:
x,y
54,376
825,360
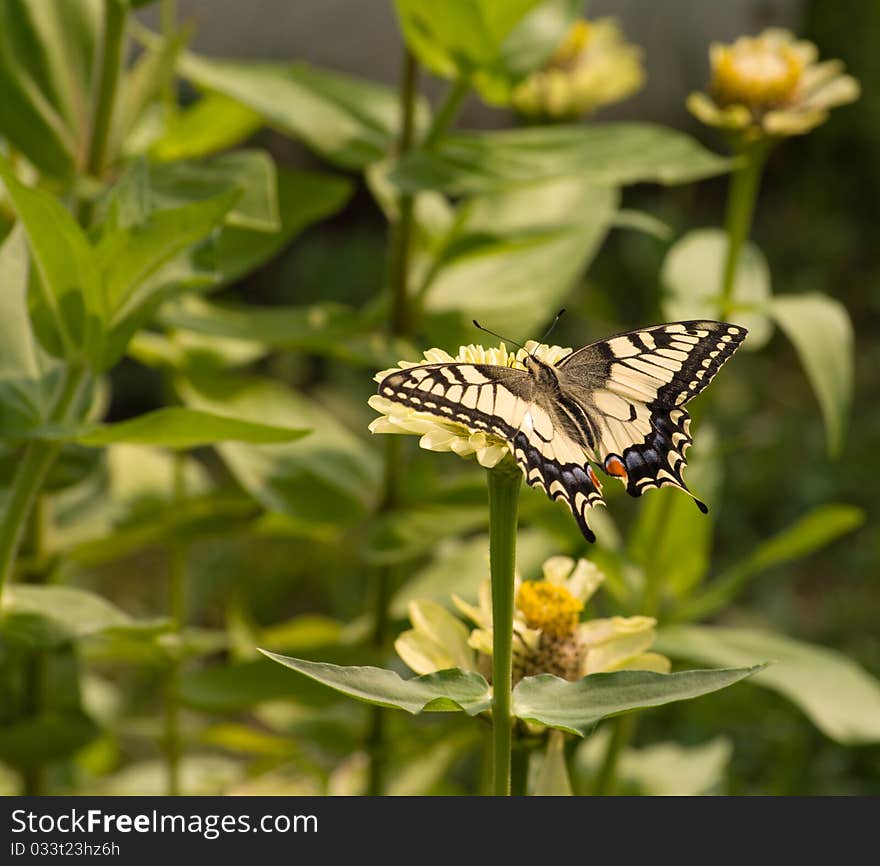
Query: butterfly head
x,y
541,372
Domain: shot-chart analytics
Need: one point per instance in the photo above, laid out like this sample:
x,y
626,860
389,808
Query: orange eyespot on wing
x,y
614,467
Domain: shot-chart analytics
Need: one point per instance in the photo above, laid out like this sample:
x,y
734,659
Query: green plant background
x,y
215,527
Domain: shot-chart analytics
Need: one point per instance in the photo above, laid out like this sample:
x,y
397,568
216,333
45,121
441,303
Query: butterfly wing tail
x,y
577,485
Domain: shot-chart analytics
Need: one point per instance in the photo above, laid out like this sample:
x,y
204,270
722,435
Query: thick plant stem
x,y
402,231
177,562
400,242
504,485
168,19
29,476
606,782
112,51
741,197
519,771
110,61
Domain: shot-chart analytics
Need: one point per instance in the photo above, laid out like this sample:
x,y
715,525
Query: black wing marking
x,y
548,447
560,467
633,385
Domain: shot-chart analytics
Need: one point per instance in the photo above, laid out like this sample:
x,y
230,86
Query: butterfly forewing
x,y
482,397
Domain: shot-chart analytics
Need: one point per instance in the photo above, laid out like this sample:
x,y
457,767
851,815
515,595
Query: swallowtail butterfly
x,y
617,404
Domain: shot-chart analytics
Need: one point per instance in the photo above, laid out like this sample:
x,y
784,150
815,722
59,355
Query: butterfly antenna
x,y
500,337
553,325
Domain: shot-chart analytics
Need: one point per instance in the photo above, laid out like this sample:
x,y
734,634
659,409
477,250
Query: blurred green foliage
x,y
280,543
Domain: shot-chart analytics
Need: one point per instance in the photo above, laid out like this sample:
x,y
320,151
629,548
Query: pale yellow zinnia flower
x,y
549,637
771,85
594,66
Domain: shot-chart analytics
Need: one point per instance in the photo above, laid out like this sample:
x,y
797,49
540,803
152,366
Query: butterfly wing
x,y
485,398
549,447
633,388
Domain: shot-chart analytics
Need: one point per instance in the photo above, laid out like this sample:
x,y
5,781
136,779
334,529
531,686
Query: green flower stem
x,y
111,58
519,770
29,476
505,481
402,230
112,54
33,777
177,567
741,197
400,242
448,111
606,782
168,18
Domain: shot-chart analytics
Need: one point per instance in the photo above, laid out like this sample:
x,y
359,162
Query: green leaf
x,y
524,249
251,172
303,198
604,154
671,540
691,277
577,706
73,613
131,258
47,52
494,43
552,779
144,265
661,769
43,739
214,123
837,695
444,691
240,686
139,115
815,530
399,536
27,374
181,428
68,276
821,331
329,478
200,775
349,121
643,222
326,329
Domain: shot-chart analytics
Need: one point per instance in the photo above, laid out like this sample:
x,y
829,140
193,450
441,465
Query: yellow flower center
x,y
549,607
756,73
574,43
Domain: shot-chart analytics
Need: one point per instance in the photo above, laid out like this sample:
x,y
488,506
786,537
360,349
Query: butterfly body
x,y
616,403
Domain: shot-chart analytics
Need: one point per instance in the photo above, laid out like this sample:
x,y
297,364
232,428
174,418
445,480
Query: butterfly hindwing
x,y
560,467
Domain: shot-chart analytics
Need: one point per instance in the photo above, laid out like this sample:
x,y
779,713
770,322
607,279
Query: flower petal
x,y
557,569
795,122
443,629
645,662
706,111
585,580
421,654
599,631
837,91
